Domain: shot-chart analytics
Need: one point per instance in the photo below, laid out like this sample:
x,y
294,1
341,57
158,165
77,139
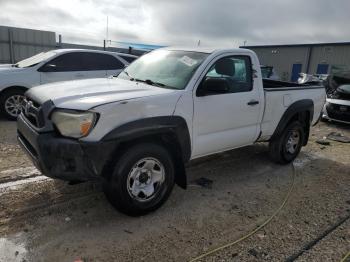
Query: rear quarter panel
x,y
278,101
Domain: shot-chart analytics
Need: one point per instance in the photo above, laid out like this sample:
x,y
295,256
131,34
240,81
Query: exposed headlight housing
x,y
74,123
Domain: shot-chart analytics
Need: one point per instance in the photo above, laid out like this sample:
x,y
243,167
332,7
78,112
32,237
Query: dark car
x,y
337,107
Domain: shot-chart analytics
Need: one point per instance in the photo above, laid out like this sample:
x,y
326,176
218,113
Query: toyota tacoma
x,y
136,131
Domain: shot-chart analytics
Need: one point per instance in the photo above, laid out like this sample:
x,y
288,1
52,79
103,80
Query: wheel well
x,y
301,111
168,140
304,118
7,89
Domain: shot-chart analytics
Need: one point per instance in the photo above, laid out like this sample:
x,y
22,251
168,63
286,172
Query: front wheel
x,y
287,146
11,103
142,180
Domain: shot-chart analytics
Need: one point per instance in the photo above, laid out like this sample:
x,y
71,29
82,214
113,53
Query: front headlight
x,y
73,123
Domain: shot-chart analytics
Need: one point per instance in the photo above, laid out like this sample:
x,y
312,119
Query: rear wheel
x,y
11,103
142,180
287,146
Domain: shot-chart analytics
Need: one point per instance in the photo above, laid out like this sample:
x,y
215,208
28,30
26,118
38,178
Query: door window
x,y
83,61
97,61
229,75
66,63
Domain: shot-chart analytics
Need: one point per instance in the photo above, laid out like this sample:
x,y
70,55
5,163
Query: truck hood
x,y
89,93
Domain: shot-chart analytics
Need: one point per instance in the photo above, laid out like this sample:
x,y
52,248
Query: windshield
x,y
344,89
170,69
31,61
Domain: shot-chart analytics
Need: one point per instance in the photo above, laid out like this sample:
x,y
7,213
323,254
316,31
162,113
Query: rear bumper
x,y
63,158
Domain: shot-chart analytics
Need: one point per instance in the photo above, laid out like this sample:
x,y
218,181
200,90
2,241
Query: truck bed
x,y
280,95
268,84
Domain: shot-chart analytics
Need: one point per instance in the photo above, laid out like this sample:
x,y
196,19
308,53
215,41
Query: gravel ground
x,y
11,156
47,220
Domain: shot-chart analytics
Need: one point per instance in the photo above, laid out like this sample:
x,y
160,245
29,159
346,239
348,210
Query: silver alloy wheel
x,y
145,179
293,142
13,105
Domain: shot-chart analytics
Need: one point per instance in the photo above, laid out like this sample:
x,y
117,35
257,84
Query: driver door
x,y
226,107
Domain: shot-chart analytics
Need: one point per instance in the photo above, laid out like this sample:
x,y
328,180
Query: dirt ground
x,y
46,220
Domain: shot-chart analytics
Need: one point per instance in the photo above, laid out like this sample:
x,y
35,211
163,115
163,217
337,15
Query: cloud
x,y
182,22
263,21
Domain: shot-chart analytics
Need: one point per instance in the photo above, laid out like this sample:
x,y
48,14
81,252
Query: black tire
x,y
280,150
116,187
15,91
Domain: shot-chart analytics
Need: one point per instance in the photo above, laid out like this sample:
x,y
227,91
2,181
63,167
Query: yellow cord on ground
x,y
346,257
255,230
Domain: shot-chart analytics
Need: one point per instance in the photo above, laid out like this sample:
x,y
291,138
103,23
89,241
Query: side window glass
x,y
83,61
92,62
97,61
113,63
129,59
229,75
66,62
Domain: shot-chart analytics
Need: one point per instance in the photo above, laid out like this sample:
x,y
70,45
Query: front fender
x,y
170,131
163,125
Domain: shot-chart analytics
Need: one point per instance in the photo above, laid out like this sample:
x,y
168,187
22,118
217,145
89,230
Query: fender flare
x,y
301,106
172,128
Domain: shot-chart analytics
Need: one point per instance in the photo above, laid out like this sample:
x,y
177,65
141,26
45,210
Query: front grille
x,y
338,112
340,108
33,112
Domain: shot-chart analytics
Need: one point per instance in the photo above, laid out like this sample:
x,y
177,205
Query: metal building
x,y
290,60
18,43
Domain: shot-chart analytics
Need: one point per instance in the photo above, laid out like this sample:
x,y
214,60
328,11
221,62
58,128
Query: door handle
x,y
79,75
253,103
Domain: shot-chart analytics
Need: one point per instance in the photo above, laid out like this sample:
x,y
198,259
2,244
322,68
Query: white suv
x,y
54,66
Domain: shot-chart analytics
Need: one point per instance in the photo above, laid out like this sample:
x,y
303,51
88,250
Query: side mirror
x,y
47,68
213,86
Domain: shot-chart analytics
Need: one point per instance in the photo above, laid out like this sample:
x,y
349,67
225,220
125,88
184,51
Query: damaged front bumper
x,y
336,112
63,158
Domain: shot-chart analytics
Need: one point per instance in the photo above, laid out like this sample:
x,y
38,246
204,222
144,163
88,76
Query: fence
x,y
18,43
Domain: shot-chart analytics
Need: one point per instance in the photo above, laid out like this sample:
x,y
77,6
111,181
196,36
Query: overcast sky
x,y
184,22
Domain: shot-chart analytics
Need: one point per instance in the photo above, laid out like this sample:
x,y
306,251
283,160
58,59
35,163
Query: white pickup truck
x,y
137,131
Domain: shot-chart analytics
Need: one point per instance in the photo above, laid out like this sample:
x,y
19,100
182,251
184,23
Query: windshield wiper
x,y
152,83
148,82
125,72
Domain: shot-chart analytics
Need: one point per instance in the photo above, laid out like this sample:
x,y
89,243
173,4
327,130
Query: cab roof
x,y
208,50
